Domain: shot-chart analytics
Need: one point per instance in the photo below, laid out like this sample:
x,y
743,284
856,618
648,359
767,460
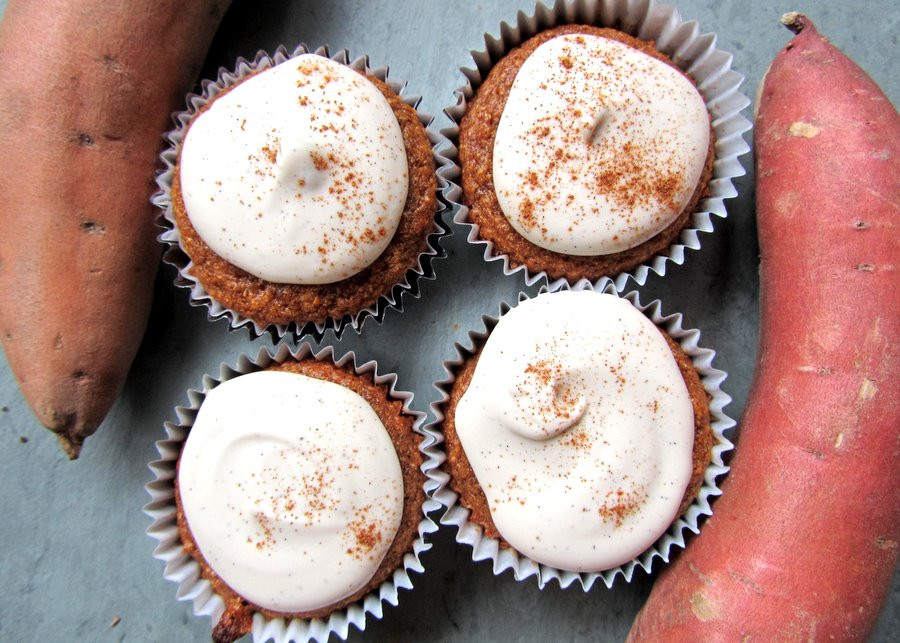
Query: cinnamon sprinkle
x,y
621,504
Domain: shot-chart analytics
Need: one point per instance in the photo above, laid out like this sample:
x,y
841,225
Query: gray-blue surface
x,y
75,563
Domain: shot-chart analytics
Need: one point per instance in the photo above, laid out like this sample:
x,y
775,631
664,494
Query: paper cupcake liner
x,y
182,569
171,237
506,558
681,41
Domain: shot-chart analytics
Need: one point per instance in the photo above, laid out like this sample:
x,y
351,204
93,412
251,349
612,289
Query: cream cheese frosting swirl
x,y
298,174
291,488
579,428
599,146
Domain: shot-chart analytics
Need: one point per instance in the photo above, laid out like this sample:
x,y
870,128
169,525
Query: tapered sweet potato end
x,y
796,21
71,448
70,392
72,406
71,425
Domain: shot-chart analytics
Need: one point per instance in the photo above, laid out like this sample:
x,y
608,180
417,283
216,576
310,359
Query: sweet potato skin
x,y
804,540
86,92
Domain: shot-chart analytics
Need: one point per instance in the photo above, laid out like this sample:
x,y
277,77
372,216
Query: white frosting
x,y
291,488
579,428
599,146
298,174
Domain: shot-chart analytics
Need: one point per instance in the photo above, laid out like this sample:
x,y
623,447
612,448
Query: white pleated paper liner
x,y
506,558
171,238
184,570
682,42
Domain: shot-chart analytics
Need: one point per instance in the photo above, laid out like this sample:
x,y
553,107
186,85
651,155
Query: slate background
x,y
73,553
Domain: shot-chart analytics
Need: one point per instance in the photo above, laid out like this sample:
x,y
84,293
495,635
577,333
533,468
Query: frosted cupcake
x,y
597,146
302,193
588,151
579,438
298,496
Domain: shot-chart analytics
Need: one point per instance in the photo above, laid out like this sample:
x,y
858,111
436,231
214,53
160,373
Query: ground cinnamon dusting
x,y
366,535
621,504
578,439
319,162
270,153
268,538
528,218
632,181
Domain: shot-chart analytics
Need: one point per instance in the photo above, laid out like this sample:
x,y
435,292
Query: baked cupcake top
x,y
579,427
292,510
298,174
599,146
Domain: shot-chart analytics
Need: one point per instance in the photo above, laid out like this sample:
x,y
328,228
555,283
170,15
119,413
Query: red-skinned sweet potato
x,y
86,92
804,540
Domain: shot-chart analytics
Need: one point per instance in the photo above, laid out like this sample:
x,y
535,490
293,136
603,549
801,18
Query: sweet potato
x,y
803,542
86,91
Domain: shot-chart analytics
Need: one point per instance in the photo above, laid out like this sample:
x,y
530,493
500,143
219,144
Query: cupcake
x,y
581,437
298,495
302,192
587,151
